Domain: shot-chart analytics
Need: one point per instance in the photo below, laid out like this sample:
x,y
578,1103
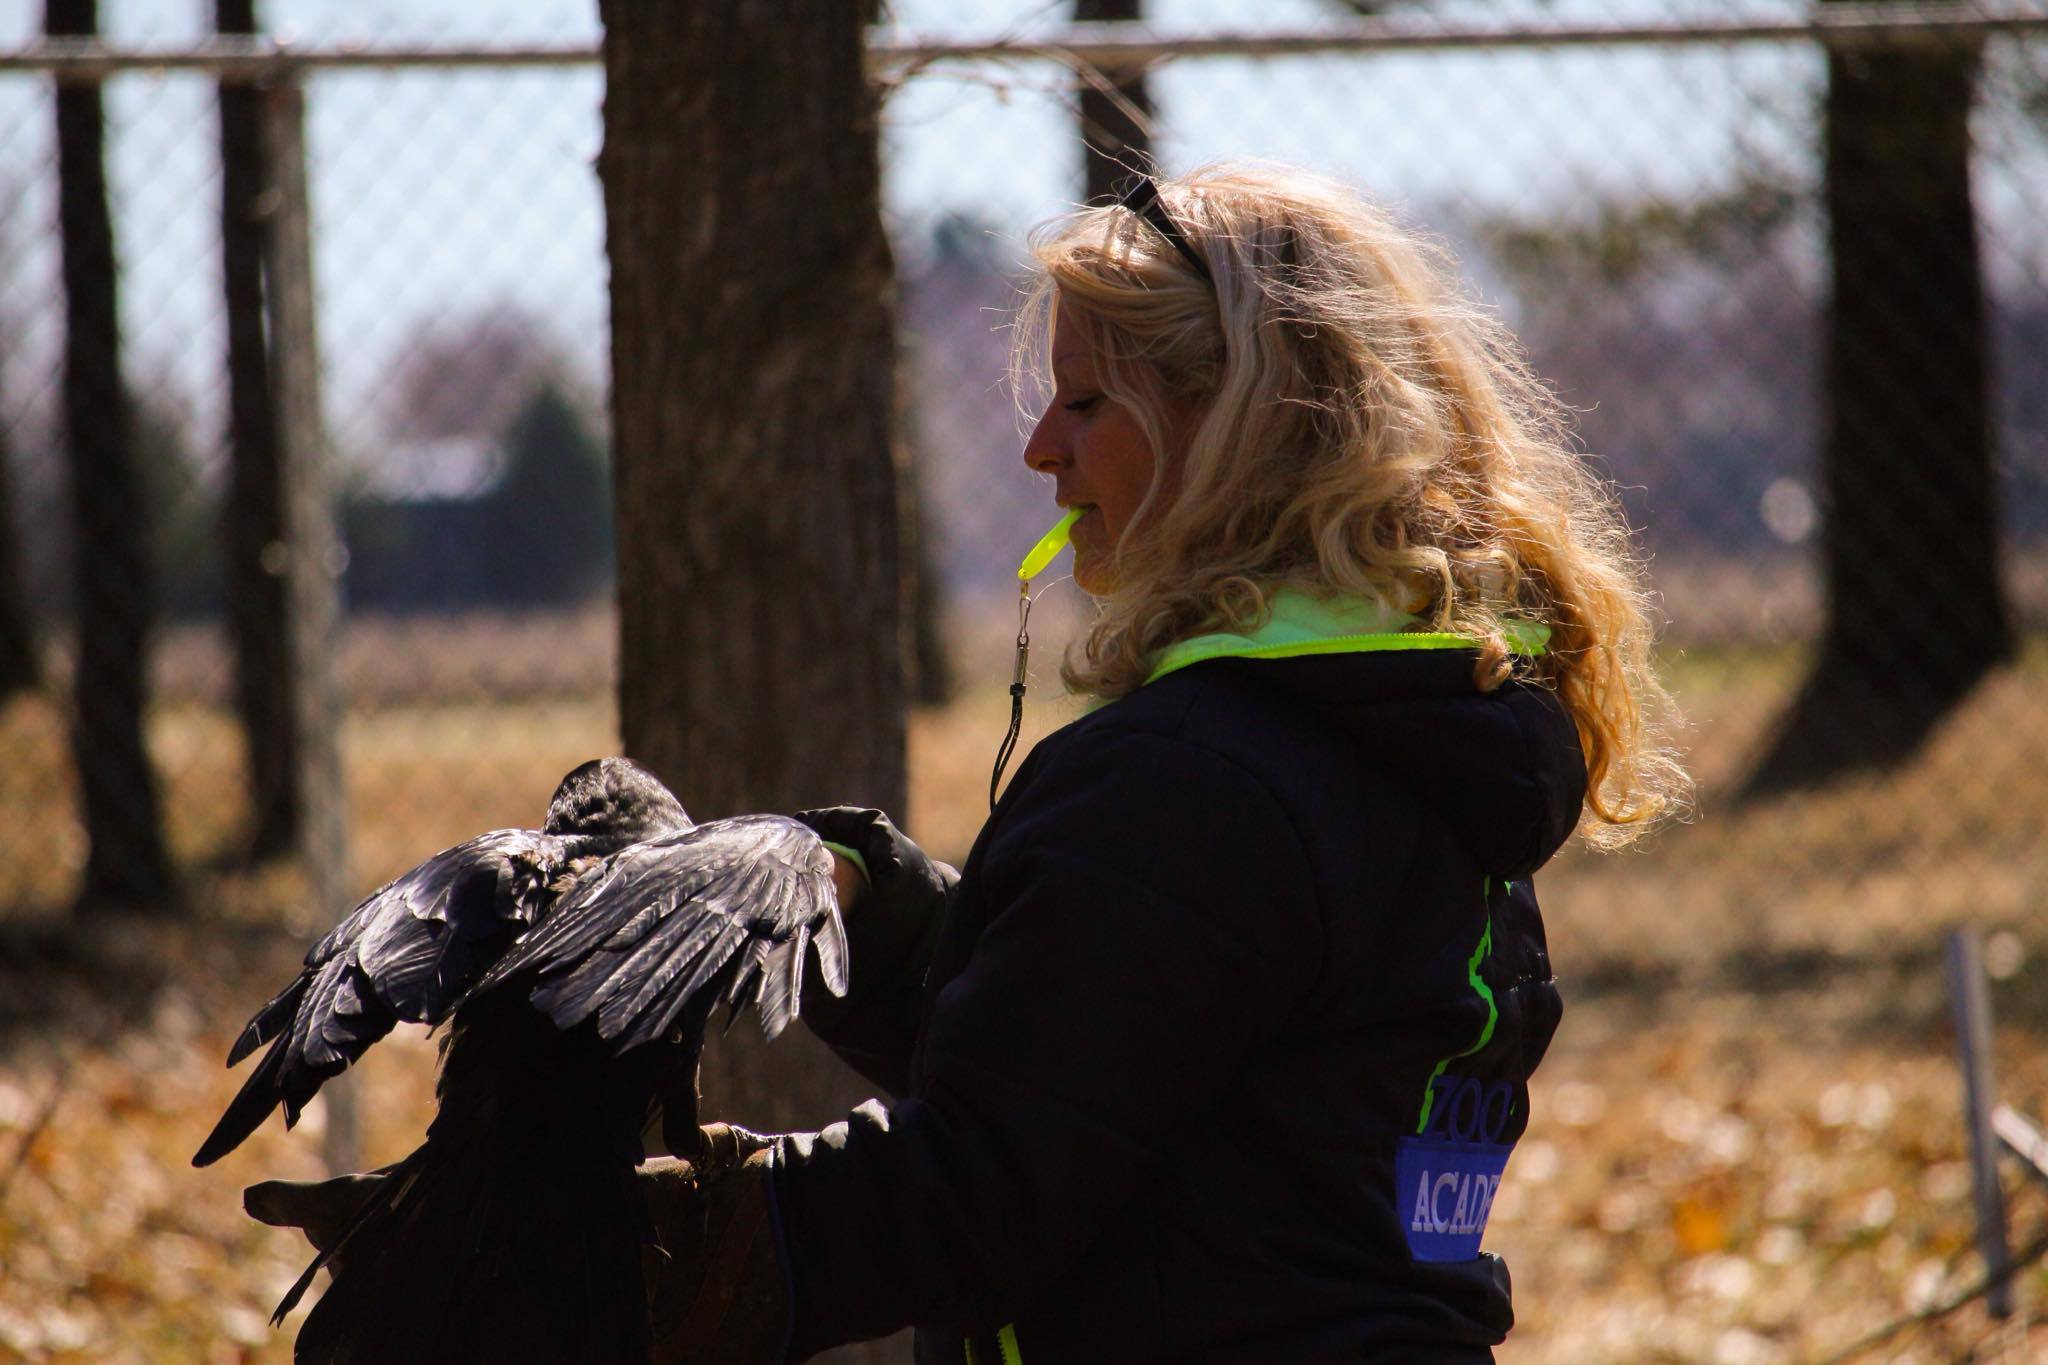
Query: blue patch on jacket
x,y
1445,1190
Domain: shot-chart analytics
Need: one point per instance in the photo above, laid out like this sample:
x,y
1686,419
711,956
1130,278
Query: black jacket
x,y
1219,1049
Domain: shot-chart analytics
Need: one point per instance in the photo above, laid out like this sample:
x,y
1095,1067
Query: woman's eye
x,y
1083,404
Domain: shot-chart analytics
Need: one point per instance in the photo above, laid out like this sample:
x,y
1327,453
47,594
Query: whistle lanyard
x,y
1049,545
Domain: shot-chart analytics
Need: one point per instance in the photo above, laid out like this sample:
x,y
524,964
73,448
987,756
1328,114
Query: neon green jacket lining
x,y
1298,624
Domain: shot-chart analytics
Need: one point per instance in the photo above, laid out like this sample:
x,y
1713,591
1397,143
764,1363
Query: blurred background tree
x,y
1904,497
548,520
1910,537
489,486
1115,111
20,652
20,669
254,529
126,866
19,664
182,506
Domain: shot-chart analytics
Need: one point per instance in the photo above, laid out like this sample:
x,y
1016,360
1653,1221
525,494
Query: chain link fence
x,y
1747,1142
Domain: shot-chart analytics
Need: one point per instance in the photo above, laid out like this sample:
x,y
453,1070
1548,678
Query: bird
x,y
579,967
415,946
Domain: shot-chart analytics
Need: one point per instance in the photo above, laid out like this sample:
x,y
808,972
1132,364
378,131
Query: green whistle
x,y
1049,544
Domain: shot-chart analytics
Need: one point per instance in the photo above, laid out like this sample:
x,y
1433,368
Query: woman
x,y
1218,1046
1218,1049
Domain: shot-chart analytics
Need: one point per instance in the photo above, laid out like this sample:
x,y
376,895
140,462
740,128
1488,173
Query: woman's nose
x,y
1047,448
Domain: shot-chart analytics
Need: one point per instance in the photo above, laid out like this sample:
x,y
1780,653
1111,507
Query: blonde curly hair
x,y
1352,424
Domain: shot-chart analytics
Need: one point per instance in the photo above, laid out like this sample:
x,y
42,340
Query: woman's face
x,y
1095,451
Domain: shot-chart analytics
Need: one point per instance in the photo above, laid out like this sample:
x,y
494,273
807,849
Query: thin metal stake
x,y
1973,1043
314,558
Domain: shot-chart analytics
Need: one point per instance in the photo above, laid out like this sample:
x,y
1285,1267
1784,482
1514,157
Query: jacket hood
x,y
1503,768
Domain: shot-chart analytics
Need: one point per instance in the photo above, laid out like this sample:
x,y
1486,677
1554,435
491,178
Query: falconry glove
x,y
903,883
891,933
721,1291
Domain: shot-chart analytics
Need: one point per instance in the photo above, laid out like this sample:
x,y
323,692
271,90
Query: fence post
x,y
314,557
1973,1045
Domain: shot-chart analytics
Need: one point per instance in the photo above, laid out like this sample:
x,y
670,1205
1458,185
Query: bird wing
x,y
408,952
669,928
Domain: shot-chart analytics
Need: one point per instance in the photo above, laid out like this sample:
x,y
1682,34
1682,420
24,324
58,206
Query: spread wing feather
x,y
674,925
644,981
782,981
831,943
407,953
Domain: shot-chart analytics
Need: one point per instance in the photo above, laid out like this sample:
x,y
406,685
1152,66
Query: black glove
x,y
891,934
716,1290
903,884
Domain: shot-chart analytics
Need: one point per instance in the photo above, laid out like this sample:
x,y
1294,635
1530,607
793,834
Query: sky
x,y
439,193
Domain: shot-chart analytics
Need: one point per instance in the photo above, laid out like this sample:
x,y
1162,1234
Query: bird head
x,y
613,802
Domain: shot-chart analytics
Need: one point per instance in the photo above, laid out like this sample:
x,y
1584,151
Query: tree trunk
x,y
20,669
1916,610
127,866
760,664
255,508
1113,143
752,359
752,356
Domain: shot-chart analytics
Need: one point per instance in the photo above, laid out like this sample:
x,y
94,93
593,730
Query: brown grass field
x,y
1747,1144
